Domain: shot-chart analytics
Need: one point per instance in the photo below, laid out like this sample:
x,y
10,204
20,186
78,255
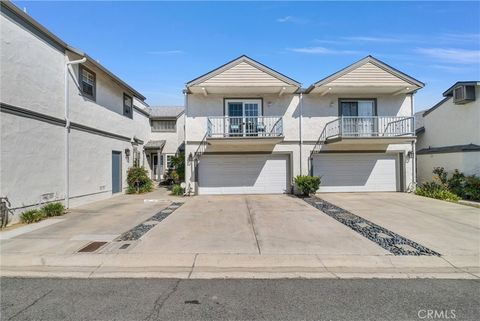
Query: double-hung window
x,y
127,106
87,82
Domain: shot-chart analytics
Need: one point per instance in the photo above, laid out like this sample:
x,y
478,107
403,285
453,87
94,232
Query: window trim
x,y
131,107
93,97
341,100
164,130
243,101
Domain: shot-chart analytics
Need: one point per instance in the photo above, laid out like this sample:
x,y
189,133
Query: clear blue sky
x,y
158,46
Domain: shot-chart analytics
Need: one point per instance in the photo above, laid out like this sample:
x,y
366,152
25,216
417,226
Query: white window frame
x,y
243,101
165,130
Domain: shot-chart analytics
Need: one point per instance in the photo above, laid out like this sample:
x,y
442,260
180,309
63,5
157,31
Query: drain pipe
x,y
300,132
67,131
414,152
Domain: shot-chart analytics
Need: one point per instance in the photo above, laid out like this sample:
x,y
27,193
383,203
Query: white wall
x,y
451,124
317,111
32,150
466,162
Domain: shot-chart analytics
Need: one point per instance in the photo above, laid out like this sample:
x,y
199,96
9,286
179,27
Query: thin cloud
x,y
374,39
461,37
323,51
452,55
165,52
453,69
291,19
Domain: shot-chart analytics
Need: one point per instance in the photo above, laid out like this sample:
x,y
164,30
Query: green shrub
x,y
176,171
472,188
32,216
177,190
436,190
307,184
53,209
138,180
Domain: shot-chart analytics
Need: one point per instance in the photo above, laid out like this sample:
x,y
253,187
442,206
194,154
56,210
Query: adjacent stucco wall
x,y
32,149
452,124
466,162
449,125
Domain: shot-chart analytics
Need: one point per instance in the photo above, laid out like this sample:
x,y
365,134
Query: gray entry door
x,y
116,172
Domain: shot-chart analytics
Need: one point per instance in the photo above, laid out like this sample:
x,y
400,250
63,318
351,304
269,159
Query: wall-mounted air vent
x,y
463,94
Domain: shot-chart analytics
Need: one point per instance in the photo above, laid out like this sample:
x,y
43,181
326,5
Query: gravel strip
x,y
142,228
396,244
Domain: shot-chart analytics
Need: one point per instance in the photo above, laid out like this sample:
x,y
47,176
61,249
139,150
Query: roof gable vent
x,y
463,94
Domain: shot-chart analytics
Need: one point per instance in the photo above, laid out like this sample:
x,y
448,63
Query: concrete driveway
x,y
447,228
253,224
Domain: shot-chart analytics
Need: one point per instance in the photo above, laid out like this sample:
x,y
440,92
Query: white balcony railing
x,y
371,126
248,126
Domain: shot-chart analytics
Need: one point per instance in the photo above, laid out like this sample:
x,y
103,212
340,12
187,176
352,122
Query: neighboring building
x,y
49,153
166,138
251,129
449,135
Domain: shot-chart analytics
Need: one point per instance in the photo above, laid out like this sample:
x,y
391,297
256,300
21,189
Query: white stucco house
x,y
449,132
166,138
69,127
251,129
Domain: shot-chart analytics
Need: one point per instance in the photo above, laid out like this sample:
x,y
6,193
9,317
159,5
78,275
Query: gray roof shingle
x,y
165,111
155,144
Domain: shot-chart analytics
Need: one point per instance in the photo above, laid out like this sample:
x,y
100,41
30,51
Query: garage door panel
x,y
356,172
243,174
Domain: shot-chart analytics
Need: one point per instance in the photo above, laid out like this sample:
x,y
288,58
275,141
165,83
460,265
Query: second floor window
x,y
87,82
164,125
127,106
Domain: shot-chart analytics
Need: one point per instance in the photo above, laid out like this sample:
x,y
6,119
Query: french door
x,y
358,117
243,117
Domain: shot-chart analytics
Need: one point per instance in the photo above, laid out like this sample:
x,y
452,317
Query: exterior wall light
x,y
127,152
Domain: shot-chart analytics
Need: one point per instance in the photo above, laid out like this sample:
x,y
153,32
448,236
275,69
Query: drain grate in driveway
x,y
142,228
92,247
396,244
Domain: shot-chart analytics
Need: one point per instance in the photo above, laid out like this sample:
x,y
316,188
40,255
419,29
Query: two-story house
x,y
166,138
449,132
251,129
70,128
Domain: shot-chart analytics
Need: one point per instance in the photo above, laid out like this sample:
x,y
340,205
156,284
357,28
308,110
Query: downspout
x,y
67,131
414,147
185,103
300,132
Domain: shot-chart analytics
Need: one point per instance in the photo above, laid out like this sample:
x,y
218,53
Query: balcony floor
x,y
371,140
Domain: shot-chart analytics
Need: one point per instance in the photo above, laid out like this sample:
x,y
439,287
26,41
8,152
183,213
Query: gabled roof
x,y
449,91
36,25
155,144
368,59
166,111
249,61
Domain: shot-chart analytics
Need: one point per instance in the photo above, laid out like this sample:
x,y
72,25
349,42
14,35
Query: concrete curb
x,y
237,266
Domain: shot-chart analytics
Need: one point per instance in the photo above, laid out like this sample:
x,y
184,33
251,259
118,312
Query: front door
x,y
243,117
155,165
116,172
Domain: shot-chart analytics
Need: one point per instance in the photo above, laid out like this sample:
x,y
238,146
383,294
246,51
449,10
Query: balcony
x,y
261,129
371,129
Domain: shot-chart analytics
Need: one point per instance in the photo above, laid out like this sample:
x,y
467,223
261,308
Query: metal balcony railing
x,y
368,126
247,126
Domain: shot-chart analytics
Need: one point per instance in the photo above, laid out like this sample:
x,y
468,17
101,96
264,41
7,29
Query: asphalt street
x,y
300,299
